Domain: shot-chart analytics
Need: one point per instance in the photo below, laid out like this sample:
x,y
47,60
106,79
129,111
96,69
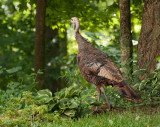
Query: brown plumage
x,y
97,68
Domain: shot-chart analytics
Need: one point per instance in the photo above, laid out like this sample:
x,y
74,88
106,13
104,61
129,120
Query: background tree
x,y
149,41
125,36
40,42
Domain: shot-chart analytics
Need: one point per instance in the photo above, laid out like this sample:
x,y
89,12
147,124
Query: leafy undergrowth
x,y
21,104
70,108
35,108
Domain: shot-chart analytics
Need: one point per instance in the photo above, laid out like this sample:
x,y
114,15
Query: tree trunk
x,y
40,42
149,41
125,36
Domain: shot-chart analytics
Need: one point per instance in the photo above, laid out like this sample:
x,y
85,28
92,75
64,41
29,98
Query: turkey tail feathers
x,y
128,92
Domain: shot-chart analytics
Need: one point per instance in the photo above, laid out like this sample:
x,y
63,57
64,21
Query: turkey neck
x,y
82,43
76,27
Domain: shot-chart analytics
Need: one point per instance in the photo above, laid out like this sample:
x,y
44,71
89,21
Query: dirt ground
x,y
147,109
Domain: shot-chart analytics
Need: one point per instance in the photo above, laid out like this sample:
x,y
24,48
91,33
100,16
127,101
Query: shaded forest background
x,y
36,36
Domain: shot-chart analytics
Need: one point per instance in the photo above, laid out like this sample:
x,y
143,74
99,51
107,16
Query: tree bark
x,y
40,42
125,36
149,41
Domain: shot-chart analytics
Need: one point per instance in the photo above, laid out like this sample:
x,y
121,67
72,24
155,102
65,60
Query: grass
x,y
112,119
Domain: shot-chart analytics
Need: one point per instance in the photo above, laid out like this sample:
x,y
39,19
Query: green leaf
x,y
1,71
138,72
63,103
87,92
64,100
40,72
158,75
13,70
158,58
44,95
70,112
43,98
45,92
59,94
152,75
51,106
74,104
63,106
89,100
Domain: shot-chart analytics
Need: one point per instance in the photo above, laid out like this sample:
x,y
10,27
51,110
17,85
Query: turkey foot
x,y
108,104
98,97
96,109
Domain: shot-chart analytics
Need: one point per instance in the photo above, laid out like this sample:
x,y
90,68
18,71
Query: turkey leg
x,y
103,90
98,96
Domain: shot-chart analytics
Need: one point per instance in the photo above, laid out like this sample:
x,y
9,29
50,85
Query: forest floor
x,y
147,109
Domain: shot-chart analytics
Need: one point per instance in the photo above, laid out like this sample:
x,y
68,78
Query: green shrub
x,y
150,88
16,82
30,108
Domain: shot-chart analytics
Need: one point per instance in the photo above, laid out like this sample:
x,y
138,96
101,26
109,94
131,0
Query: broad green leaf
x,y
59,94
46,91
52,105
74,104
64,100
69,112
44,98
13,70
1,71
63,106
89,100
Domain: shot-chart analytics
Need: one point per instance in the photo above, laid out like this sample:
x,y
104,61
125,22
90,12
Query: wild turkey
x,y
97,68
